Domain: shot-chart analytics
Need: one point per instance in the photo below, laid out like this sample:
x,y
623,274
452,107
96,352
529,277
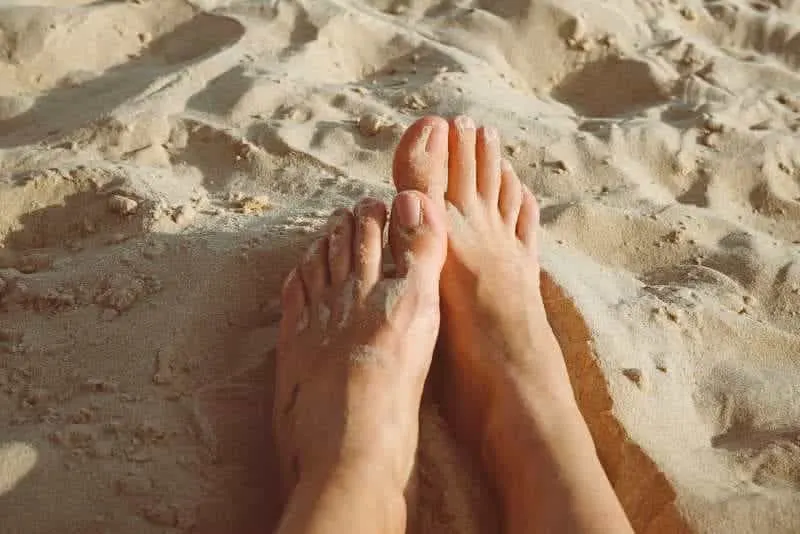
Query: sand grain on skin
x,y
158,186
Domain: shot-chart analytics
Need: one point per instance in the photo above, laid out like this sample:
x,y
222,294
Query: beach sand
x,y
163,163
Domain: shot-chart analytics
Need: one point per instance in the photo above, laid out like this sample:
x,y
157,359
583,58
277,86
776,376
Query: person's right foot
x,y
503,360
507,391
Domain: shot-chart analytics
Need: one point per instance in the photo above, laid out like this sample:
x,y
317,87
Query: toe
x,y
461,186
528,221
370,219
340,247
488,160
420,161
293,303
510,201
418,237
314,270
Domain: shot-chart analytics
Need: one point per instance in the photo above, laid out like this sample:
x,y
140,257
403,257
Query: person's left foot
x,y
355,348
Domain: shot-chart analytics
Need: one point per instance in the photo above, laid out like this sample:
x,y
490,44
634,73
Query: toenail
x,y
369,206
424,135
490,133
463,122
336,218
364,204
409,211
338,225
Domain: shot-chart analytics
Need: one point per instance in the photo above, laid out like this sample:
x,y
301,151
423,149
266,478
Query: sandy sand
x,y
164,162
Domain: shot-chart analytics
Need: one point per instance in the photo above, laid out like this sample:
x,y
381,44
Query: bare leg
x,y
353,354
508,393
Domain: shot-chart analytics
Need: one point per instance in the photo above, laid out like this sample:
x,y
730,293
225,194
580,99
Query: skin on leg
x,y
507,393
353,353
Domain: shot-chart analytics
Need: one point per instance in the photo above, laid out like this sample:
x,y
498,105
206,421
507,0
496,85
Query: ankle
x,y
548,475
529,444
520,421
324,502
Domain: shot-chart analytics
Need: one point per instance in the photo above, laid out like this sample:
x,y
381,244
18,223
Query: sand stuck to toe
x,y
164,162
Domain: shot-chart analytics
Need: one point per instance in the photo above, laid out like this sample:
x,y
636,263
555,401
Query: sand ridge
x,y
164,163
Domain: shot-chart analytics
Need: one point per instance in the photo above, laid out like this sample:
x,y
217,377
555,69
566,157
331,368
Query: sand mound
x,y
162,165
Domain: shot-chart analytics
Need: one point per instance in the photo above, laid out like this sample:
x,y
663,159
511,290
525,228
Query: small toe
x,y
340,247
488,160
314,270
462,164
293,303
370,219
420,161
510,201
528,221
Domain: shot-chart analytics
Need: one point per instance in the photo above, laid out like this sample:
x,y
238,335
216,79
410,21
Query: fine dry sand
x,y
164,162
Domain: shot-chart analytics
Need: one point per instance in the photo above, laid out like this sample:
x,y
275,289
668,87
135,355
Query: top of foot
x,y
495,330
355,348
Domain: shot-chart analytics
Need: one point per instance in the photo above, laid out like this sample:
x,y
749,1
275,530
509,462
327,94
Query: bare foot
x,y
507,391
353,354
496,334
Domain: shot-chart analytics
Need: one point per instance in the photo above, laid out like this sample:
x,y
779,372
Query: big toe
x,y
418,239
420,161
